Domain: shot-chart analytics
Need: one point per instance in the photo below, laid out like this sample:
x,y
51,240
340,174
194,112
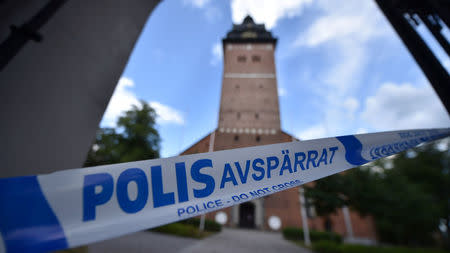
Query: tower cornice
x,y
249,32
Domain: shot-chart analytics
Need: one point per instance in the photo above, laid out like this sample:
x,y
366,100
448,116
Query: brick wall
x,y
249,116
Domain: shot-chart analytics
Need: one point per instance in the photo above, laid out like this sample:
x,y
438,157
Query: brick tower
x,y
249,102
249,111
249,116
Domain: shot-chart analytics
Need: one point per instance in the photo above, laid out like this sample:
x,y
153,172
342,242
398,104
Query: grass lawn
x,y
331,247
183,230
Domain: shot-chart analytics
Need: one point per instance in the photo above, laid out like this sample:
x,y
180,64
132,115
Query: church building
x,y
250,115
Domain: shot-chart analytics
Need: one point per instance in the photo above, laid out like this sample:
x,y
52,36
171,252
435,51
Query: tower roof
x,y
249,31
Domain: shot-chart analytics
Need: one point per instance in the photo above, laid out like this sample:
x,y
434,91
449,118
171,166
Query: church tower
x,y
249,109
249,115
249,102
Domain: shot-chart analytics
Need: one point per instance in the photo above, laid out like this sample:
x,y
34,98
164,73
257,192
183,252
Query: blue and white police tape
x,y
80,206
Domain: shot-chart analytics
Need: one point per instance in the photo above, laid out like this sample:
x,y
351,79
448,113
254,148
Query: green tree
x,y
408,195
105,148
135,139
326,194
428,169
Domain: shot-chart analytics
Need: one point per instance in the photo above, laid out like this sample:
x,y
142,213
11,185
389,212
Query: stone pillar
x,y
348,223
259,213
307,239
235,216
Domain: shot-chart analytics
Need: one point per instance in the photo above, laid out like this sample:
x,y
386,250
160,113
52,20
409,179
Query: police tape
x,y
80,206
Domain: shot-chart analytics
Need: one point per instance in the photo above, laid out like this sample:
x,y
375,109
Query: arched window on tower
x,y
256,58
242,58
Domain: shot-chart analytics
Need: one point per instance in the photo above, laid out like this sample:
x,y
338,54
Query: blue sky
x,y
341,69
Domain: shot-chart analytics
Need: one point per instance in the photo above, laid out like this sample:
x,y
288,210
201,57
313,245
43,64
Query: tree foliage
x,y
135,138
408,195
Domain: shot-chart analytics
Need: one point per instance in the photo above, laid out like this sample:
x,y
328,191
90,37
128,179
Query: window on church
x,y
256,58
238,115
261,86
256,116
258,138
236,137
237,86
242,58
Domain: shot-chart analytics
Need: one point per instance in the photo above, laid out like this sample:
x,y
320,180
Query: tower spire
x,y
248,20
249,32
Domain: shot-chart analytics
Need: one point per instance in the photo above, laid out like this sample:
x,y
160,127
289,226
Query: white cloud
x,y
282,92
351,104
211,12
404,106
217,53
328,28
314,132
343,35
167,114
123,100
197,3
344,30
361,130
354,20
263,11
267,11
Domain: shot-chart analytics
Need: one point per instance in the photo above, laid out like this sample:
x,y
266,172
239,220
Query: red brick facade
x,y
249,116
286,204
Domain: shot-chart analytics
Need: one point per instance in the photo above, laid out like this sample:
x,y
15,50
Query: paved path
x,y
229,241
240,240
142,242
